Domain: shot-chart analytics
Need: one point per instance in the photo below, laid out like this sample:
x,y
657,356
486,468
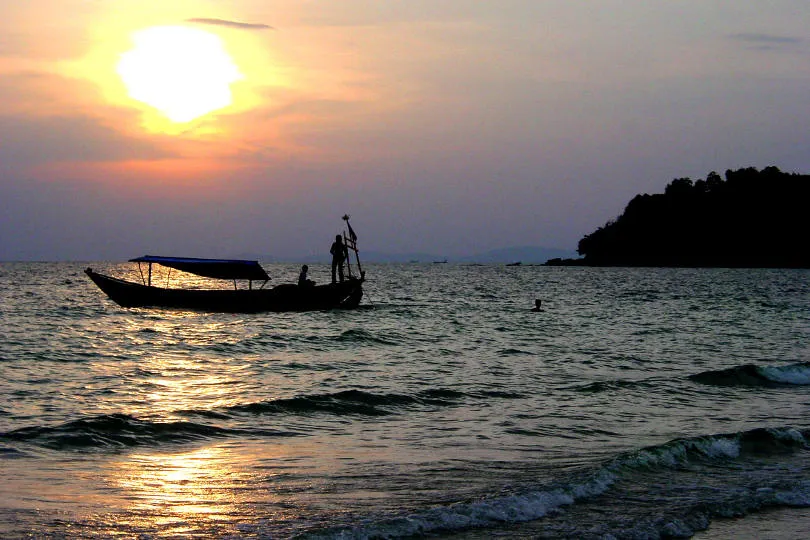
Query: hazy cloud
x,y
231,24
765,39
31,141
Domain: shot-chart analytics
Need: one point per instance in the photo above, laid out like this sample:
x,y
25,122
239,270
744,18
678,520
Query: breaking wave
x,y
681,452
445,519
753,375
648,465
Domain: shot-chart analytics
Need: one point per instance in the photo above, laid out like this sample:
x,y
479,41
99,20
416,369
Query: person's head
x,y
338,238
305,268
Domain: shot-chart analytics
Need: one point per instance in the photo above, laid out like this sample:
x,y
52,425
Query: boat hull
x,y
288,297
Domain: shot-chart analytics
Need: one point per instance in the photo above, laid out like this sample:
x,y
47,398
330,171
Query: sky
x,y
212,129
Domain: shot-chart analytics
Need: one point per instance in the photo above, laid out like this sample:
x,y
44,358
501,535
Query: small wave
x,y
10,453
643,294
442,394
679,452
363,336
446,519
654,332
606,386
513,352
148,331
753,376
311,367
347,402
798,374
117,431
498,394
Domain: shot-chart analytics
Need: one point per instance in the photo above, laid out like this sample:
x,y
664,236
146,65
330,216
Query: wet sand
x,y
777,524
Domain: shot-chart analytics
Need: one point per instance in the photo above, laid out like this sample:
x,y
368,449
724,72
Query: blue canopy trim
x,y
212,268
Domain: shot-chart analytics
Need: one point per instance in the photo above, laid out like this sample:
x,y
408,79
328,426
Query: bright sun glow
x,y
183,72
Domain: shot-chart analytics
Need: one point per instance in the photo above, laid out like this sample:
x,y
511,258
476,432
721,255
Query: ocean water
x,y
639,403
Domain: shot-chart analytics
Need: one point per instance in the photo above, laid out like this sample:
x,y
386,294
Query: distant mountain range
x,y
523,254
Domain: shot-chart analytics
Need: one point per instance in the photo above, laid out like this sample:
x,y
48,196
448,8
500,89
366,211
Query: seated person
x,y
302,278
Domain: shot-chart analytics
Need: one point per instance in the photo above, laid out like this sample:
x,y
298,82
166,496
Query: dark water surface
x,y
640,403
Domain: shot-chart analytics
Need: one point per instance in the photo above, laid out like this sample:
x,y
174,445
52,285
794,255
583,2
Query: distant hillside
x,y
751,219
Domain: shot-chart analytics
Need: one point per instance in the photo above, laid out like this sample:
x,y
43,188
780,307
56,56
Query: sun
x,y
182,72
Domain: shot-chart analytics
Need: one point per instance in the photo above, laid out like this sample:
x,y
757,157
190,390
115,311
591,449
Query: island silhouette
x,y
750,219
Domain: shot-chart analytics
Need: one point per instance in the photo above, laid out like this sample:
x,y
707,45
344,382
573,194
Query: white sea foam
x,y
722,448
677,453
512,509
789,434
657,457
799,496
798,374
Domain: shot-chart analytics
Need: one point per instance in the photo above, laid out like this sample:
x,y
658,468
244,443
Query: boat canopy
x,y
212,268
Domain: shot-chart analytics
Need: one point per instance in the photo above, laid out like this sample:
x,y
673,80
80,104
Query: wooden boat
x,y
285,297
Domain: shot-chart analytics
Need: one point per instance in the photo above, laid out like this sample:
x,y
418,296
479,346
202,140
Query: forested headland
x,y
750,218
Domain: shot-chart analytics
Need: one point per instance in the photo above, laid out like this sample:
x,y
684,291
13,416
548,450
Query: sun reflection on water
x,y
208,490
199,481
183,365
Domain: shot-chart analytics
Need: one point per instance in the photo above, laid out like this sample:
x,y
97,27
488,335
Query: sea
x,y
637,403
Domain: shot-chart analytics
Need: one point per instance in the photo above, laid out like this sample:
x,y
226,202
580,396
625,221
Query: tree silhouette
x,y
751,219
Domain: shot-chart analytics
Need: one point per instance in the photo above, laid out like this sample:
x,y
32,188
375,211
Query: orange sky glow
x,y
208,94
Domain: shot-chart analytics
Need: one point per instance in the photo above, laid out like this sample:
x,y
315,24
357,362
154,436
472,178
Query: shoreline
x,y
783,523
771,524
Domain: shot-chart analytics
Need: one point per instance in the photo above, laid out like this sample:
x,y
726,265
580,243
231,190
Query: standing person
x,y
339,254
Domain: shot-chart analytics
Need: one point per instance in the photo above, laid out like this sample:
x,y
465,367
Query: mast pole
x,y
347,244
351,241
